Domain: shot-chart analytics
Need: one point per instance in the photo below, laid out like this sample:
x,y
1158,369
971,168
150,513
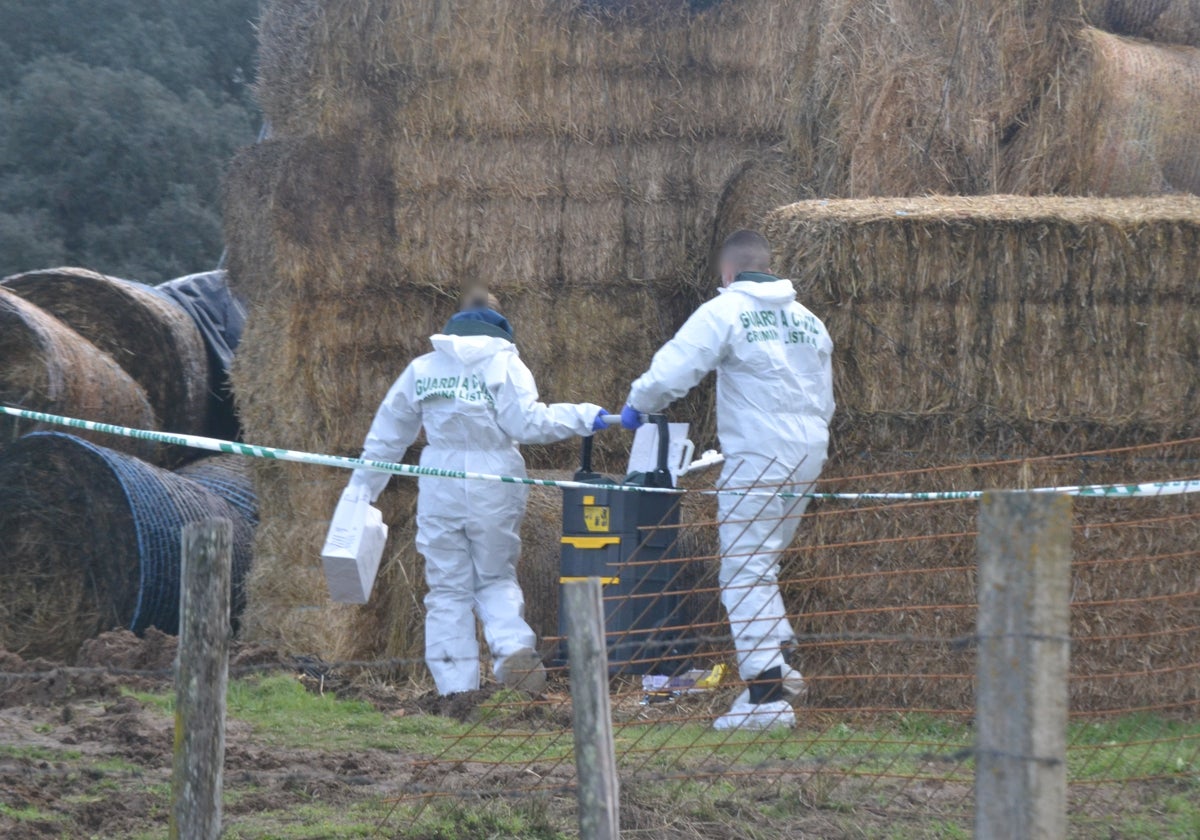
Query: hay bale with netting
x,y
46,366
913,97
150,336
1163,21
91,541
229,476
1124,120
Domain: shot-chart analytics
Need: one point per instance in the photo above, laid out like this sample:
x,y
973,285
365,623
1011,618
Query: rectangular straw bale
x,y
447,240
634,104
525,167
1024,311
1123,121
595,238
518,67
449,215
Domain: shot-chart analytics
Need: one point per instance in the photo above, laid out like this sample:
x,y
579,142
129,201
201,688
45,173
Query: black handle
x,y
585,457
661,477
664,441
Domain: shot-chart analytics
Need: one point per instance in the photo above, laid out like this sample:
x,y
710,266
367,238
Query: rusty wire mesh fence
x,y
881,596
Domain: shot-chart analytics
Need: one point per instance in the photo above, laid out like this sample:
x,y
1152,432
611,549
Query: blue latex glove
x,y
631,418
598,425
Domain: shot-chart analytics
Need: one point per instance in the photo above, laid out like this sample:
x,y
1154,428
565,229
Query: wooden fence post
x,y
201,678
1024,651
595,755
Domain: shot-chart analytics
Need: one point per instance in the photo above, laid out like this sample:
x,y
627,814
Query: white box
x,y
354,547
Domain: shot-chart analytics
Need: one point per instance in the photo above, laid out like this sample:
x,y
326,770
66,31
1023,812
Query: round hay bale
x,y
228,476
1164,21
1147,130
1123,121
49,367
91,540
149,335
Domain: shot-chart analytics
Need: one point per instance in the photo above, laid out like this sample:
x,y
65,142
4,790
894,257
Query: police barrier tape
x,y
1124,491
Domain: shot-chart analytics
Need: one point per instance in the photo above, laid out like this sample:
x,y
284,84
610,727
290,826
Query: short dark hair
x,y
747,250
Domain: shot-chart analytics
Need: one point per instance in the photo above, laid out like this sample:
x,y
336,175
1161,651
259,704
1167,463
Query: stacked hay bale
x,y
911,98
985,308
582,165
969,329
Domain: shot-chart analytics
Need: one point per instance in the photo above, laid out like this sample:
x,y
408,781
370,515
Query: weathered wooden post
x,y
201,678
595,755
1024,652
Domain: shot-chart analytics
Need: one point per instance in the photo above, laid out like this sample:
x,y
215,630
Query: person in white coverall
x,y
477,401
773,360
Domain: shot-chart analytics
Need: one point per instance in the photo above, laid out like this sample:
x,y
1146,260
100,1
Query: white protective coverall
x,y
773,360
477,401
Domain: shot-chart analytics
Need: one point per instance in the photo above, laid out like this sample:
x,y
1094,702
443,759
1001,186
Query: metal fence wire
x,y
883,600
882,597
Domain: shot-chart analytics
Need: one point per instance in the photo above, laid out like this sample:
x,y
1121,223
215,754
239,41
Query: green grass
x,y
38,753
442,820
28,814
282,712
838,769
1134,746
933,830
1175,818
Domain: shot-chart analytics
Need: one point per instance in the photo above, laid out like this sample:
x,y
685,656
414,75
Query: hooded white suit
x,y
477,401
773,360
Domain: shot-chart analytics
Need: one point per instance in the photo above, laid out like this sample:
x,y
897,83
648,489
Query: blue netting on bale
x,y
74,479
230,477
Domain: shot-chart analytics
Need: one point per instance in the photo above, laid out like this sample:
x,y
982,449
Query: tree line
x,y
117,118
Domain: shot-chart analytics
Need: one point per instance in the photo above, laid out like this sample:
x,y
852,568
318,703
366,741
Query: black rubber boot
x,y
767,687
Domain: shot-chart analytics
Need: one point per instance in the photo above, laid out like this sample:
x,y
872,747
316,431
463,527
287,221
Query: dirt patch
x,y
111,661
39,682
122,649
463,706
129,730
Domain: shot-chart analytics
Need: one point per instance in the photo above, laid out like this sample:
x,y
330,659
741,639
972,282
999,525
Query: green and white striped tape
x,y
1110,491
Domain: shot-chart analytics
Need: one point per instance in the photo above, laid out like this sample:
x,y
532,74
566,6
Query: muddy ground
x,y
82,758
